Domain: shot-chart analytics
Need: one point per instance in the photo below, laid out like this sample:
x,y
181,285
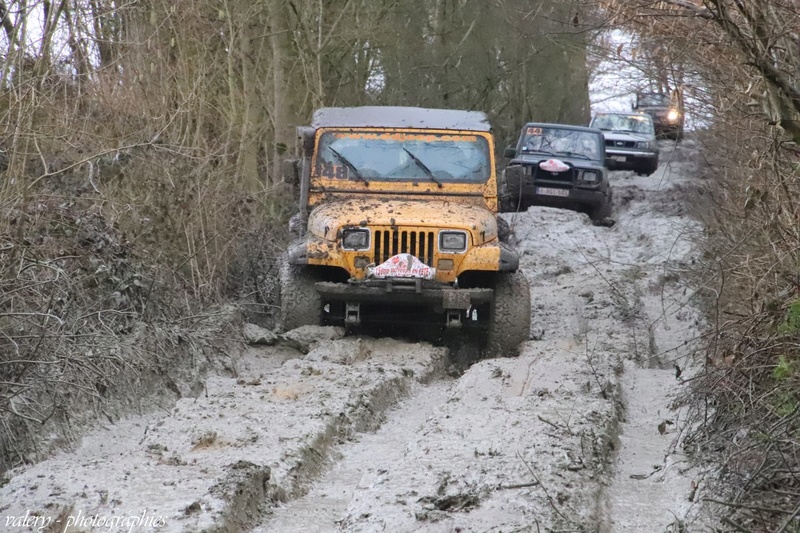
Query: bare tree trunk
x,y
8,26
278,114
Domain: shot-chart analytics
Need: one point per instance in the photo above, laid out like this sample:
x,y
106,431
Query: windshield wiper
x,y
531,150
423,166
347,162
575,154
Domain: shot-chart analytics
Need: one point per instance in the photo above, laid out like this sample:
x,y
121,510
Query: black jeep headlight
x,y
590,176
673,115
452,241
355,239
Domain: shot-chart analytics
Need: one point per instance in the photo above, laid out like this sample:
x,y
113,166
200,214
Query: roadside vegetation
x,y
741,70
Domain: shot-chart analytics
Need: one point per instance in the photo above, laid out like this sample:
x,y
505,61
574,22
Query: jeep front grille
x,y
541,174
392,242
620,144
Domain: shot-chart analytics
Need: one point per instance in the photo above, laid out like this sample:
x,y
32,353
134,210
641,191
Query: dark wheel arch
x,y
300,303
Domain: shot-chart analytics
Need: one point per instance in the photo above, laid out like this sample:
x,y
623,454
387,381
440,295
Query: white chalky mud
x,y
214,460
576,434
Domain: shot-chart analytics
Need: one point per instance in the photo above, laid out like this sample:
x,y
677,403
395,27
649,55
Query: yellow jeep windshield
x,y
402,156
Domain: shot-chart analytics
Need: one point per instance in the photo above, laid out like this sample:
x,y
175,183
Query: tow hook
x,y
352,314
453,318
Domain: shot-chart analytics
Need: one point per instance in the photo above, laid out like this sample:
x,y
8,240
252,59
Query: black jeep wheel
x,y
509,321
648,168
601,212
300,303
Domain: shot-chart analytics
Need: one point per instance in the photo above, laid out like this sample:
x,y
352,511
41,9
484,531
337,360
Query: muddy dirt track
x,y
332,433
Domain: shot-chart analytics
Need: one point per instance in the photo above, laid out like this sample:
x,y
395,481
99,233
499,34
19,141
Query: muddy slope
x,y
361,434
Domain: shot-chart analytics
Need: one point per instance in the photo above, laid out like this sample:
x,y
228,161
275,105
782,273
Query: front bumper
x,y
629,159
552,194
408,291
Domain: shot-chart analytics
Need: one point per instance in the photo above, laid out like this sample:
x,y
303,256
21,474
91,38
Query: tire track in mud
x,y
360,465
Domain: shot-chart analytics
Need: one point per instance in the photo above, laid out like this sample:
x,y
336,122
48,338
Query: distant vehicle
x,y
557,165
665,110
630,141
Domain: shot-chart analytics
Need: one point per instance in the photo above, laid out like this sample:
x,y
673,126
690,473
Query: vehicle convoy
x,y
665,110
560,166
630,141
398,226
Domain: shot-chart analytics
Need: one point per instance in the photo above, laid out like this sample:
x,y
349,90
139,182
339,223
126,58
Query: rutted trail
x,y
361,464
362,434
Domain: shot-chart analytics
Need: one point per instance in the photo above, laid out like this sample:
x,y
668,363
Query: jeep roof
x,y
399,117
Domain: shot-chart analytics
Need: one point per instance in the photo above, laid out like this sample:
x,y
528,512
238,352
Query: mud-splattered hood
x,y
325,220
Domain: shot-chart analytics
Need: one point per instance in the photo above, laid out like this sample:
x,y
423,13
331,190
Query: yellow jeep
x,y
398,221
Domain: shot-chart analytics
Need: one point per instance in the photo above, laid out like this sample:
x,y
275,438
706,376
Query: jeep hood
x,y
326,219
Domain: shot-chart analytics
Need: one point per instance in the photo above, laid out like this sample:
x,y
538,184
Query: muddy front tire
x,y
300,303
603,211
509,316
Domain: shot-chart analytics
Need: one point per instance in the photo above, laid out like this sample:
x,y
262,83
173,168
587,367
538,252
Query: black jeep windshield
x,y
653,100
625,123
564,142
398,156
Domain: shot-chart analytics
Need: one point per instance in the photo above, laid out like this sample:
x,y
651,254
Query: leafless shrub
x,y
738,61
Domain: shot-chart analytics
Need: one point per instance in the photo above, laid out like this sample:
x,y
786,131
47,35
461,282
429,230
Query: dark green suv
x,y
557,165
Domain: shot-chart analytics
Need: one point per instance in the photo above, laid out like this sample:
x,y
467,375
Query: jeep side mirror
x,y
510,153
291,171
306,135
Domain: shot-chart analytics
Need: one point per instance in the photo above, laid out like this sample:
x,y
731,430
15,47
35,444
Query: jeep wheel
x,y
300,303
504,232
510,316
601,212
648,168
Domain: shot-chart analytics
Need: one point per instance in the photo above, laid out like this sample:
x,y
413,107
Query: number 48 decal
x,y
331,171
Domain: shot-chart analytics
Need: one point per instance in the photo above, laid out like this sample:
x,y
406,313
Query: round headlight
x,y
355,239
673,115
452,241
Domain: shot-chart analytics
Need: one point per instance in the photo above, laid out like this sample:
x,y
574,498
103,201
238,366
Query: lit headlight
x,y
673,115
590,176
452,241
355,239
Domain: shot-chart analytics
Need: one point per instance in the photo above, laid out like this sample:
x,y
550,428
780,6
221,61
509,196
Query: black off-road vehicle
x,y
666,111
557,165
